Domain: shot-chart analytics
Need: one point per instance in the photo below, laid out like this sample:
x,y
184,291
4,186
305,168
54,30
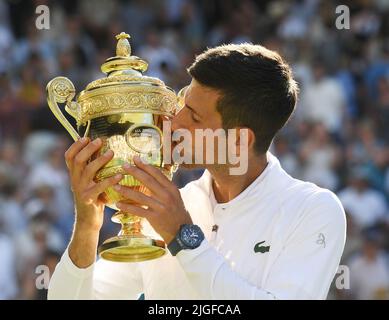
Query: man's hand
x,y
165,209
89,198
88,195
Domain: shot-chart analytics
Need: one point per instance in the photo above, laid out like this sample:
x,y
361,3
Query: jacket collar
x,y
264,183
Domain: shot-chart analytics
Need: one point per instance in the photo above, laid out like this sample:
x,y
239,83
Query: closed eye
x,y
195,117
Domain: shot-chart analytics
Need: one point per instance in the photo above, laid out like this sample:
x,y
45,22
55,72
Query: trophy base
x,y
124,248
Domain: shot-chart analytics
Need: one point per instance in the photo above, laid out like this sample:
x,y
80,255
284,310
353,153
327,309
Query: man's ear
x,y
244,143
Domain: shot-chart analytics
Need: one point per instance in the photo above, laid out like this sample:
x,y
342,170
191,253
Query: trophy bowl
x,y
126,111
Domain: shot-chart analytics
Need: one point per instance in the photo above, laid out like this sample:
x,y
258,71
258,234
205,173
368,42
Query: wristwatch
x,y
189,236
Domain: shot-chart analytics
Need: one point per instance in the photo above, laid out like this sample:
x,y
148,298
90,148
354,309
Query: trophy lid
x,y
125,89
123,61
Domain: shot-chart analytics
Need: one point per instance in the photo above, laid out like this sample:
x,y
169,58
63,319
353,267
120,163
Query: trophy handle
x,y
61,90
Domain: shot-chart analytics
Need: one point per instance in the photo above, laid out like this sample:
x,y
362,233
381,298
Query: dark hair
x,y
257,87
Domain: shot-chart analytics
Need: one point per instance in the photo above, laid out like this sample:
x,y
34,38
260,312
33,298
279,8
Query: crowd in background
x,y
337,138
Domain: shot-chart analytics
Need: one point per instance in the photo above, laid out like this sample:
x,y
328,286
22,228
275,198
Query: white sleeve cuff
x,y
187,256
70,282
201,265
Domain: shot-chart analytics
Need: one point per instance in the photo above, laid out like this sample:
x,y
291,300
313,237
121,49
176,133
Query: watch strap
x,y
175,246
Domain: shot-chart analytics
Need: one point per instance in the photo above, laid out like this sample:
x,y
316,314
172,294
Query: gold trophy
x,y
126,110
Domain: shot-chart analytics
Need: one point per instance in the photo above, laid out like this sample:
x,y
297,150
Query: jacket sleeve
x,y
102,280
304,268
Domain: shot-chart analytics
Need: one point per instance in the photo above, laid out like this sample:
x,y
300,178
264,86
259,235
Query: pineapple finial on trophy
x,y
123,47
123,62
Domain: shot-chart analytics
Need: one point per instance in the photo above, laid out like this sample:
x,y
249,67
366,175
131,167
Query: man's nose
x,y
177,121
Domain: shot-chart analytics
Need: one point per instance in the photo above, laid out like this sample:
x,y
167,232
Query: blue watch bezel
x,y
178,244
181,236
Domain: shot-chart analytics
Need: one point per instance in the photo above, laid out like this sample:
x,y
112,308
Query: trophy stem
x,y
130,245
130,229
131,225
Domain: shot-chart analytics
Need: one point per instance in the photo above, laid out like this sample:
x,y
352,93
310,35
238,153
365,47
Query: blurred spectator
x,y
364,205
8,280
382,109
52,172
11,211
137,16
364,145
12,123
36,146
282,150
320,157
6,38
33,44
295,24
158,56
387,181
377,70
30,92
323,100
346,79
78,45
376,168
31,246
369,272
10,164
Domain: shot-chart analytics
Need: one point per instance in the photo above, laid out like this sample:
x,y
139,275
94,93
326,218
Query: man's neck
x,y
227,187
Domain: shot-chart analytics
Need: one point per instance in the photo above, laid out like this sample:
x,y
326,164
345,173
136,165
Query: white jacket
x,y
298,227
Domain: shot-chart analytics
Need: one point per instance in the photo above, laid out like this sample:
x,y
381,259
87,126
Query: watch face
x,y
191,235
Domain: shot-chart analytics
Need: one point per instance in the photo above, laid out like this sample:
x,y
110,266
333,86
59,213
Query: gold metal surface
x,y
126,249
126,110
60,90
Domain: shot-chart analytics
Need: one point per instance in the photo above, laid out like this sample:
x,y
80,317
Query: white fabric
x,y
291,216
8,281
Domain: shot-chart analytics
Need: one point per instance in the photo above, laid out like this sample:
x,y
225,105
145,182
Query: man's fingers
x,y
135,210
139,197
103,197
80,160
74,149
94,166
153,171
100,187
147,180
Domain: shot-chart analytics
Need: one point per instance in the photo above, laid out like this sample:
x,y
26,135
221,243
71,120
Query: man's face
x,y
198,112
